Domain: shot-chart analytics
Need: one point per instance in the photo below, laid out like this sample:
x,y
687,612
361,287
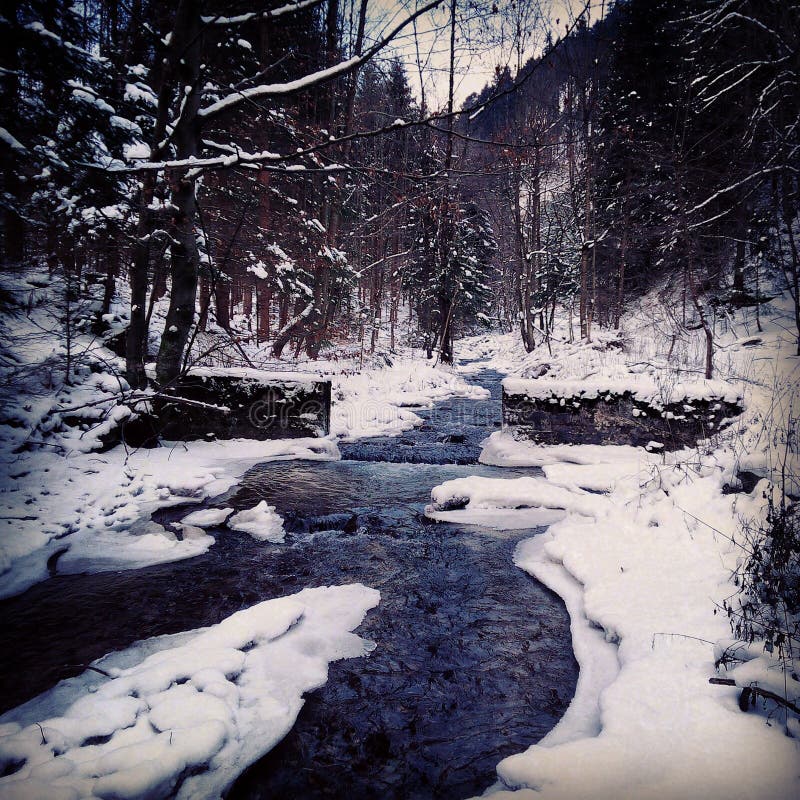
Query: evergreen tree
x,y
449,273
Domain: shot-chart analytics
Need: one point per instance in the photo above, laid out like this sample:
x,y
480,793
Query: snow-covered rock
x,y
261,522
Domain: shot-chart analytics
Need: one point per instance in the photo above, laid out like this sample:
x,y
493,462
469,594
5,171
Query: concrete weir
x,y
243,403
571,412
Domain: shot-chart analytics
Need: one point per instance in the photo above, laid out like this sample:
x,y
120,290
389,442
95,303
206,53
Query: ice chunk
x,y
261,522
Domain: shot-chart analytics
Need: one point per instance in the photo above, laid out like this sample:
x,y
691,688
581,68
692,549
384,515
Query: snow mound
x,y
475,492
96,510
258,375
501,449
261,522
641,569
207,517
185,714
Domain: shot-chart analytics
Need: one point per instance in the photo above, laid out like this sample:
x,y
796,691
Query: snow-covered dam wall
x,y
639,413
243,404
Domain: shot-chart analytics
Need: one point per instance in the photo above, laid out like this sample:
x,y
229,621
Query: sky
x,y
486,40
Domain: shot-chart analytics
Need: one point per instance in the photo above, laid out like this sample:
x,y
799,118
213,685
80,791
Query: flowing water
x,y
473,659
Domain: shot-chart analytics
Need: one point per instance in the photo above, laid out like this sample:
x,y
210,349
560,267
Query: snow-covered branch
x,y
289,8
315,78
751,177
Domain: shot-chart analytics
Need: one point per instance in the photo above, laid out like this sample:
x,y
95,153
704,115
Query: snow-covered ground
x,y
63,500
651,558
378,402
643,555
64,496
183,713
96,508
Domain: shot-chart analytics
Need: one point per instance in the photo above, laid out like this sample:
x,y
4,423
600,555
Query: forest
x,y
400,399
273,173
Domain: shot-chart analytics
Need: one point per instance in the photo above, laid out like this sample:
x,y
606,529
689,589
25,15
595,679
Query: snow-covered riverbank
x,y
91,510
640,547
641,567
183,715
644,556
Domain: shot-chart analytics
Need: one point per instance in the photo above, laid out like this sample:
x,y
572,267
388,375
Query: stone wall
x,y
232,404
612,418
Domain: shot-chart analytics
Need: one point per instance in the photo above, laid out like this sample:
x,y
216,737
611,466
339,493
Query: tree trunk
x,y
793,273
13,242
112,260
315,322
283,312
522,280
264,302
623,254
247,298
185,257
446,232
585,301
701,312
136,339
446,307
738,267
205,302
222,302
285,333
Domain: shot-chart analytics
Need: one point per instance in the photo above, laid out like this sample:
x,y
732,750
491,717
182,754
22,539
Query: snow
x,y
261,376
208,517
642,567
596,657
97,507
765,672
258,270
91,511
276,89
183,714
13,143
140,92
261,522
506,519
638,546
639,387
289,8
139,150
125,124
376,402
479,492
86,96
647,574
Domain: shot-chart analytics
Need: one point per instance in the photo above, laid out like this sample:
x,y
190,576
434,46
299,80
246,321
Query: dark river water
x,y
473,659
